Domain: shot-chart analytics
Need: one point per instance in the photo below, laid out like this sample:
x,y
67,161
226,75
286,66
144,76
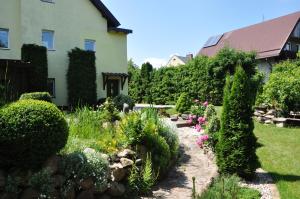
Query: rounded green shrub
x,y
121,99
44,96
30,132
184,103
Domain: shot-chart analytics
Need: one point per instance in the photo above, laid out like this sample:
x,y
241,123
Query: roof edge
x,y
120,30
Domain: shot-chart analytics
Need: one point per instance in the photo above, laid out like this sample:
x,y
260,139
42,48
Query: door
x,y
112,88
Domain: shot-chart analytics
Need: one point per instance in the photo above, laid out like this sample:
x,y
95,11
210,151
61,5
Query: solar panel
x,y
212,41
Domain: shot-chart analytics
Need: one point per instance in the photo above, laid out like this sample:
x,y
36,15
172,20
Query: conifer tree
x,y
236,149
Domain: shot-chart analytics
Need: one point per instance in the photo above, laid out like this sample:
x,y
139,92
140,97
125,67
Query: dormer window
x,y
297,31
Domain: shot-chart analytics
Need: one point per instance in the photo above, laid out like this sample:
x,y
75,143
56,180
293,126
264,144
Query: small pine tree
x,y
183,103
237,143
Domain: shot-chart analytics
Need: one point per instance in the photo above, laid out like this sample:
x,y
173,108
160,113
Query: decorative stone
x,y
59,180
2,179
281,124
271,112
86,195
30,193
256,113
52,164
116,189
138,162
126,153
87,184
174,118
126,162
185,116
118,174
116,166
269,116
268,122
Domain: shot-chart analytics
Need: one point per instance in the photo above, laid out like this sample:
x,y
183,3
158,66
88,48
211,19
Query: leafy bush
x,y
80,166
212,130
37,56
228,188
44,96
43,183
210,112
237,143
110,112
132,127
121,99
81,78
30,132
171,139
183,103
282,90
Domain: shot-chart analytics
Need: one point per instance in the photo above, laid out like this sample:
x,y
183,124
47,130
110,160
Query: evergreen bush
x,y
30,132
44,96
38,75
236,149
81,78
121,99
184,103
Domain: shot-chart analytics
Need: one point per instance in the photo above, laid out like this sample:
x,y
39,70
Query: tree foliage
x,y
237,143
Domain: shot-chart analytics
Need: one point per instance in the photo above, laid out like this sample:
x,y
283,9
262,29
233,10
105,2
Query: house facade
x,y
177,60
272,40
61,25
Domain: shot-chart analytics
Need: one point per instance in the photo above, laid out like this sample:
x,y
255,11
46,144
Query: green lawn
x,y
279,154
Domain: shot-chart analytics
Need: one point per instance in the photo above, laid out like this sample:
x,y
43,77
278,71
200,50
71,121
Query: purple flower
x,y
205,103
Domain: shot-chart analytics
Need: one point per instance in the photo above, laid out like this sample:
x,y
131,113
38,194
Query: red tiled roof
x,y
266,38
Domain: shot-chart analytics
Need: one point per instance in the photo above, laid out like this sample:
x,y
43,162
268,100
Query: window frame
x,y
90,40
8,39
53,39
51,80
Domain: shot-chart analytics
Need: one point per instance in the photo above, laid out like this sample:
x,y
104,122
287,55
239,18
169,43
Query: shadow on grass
x,y
283,177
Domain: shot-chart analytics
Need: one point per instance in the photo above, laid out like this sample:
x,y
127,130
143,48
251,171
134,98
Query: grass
x,y
279,154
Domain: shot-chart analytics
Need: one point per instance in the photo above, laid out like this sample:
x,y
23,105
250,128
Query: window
x,y
90,45
51,86
4,38
297,31
48,39
288,46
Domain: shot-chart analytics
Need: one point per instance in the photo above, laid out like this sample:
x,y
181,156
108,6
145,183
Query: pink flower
x,y
199,142
194,116
201,120
205,103
204,138
190,121
198,127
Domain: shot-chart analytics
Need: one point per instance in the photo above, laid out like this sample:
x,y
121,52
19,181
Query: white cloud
x,y
156,62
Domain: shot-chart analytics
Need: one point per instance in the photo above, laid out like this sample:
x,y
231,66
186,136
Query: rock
x,y
269,116
185,116
174,118
261,112
59,180
115,166
281,124
104,196
126,162
2,179
260,119
114,158
116,189
268,122
86,195
30,193
118,174
138,162
52,164
126,153
87,184
271,112
256,113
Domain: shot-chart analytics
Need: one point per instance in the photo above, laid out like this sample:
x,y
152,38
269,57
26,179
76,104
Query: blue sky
x,y
162,28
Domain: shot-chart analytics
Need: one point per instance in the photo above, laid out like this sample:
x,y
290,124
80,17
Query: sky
x,y
162,28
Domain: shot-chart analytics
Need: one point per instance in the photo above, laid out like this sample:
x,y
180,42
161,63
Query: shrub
x,y
282,89
43,183
212,130
210,112
121,99
132,127
237,143
109,111
44,96
30,132
225,187
37,56
171,139
183,103
81,78
80,166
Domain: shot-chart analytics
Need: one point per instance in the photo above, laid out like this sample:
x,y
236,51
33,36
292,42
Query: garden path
x,y
193,162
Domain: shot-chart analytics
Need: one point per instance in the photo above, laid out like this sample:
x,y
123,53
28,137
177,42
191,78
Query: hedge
x,y
30,132
44,96
81,78
37,56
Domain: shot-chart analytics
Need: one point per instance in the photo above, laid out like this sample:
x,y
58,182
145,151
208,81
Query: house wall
x,y
10,19
175,61
72,21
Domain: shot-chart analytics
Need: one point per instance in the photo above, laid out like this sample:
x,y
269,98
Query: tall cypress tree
x,y
146,77
236,149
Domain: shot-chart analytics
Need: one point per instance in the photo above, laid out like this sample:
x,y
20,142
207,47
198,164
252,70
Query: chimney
x,y
189,56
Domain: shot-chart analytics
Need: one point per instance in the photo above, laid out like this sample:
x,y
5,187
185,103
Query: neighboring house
x,y
272,40
61,25
176,60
